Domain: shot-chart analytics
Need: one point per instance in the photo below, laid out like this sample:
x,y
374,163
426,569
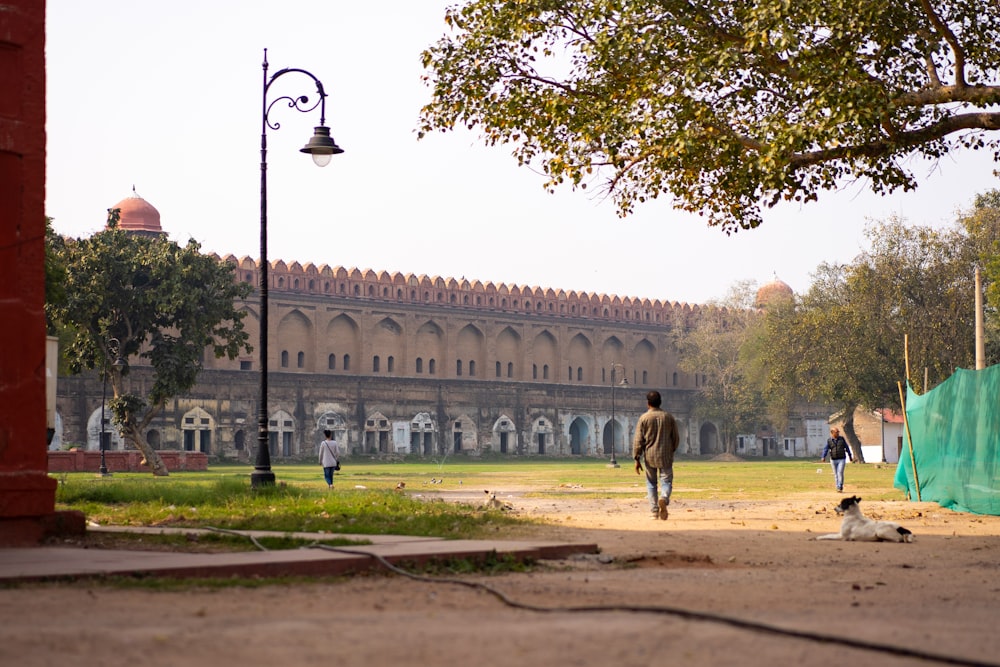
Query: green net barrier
x,y
955,433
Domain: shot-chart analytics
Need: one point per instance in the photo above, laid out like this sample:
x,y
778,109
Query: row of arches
x,y
198,431
400,346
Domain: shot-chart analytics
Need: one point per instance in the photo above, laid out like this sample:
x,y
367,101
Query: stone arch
x,y
509,353
643,363
470,347
464,437
579,355
378,435
612,351
387,342
335,422
343,339
708,439
295,335
422,431
113,438
281,435
197,427
613,437
505,435
429,346
541,440
545,356
579,436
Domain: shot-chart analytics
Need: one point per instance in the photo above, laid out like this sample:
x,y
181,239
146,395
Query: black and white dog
x,y
856,527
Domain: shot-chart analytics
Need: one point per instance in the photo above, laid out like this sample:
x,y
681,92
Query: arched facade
x,y
404,365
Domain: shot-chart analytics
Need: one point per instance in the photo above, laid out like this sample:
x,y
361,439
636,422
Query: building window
x,y
534,371
645,379
331,362
431,367
472,369
390,364
510,369
246,365
301,361
420,365
675,379
347,362
579,374
375,364
545,372
284,358
498,369
458,368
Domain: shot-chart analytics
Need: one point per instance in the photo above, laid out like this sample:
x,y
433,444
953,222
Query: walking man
x,y
656,441
839,452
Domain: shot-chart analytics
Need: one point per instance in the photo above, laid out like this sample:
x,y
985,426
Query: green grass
x,y
366,502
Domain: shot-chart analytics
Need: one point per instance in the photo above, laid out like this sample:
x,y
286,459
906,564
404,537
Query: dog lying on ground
x,y
494,503
856,527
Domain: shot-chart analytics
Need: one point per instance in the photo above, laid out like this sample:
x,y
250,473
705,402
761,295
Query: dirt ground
x,y
718,583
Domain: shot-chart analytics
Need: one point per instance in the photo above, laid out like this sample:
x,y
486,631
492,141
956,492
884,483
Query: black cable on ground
x,y
688,614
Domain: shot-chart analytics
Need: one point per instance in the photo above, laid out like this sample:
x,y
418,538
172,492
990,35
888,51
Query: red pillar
x,y
27,493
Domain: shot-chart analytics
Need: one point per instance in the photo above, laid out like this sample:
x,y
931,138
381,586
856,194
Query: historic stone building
x,y
402,364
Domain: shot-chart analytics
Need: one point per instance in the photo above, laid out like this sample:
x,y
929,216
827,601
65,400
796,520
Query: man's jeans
x,y
838,472
665,478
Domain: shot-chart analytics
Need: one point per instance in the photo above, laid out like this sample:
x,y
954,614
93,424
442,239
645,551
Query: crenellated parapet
x,y
411,288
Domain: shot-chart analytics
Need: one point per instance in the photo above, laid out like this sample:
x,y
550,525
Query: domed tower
x,y
138,216
773,292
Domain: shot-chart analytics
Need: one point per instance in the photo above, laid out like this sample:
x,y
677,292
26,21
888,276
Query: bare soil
x,y
718,583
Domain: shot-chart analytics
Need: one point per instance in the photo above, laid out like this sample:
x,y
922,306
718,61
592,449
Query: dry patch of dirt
x,y
719,583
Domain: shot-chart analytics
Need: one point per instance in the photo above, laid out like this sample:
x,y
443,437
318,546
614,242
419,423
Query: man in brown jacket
x,y
656,440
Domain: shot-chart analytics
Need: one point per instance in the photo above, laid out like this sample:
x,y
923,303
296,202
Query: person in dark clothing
x,y
839,452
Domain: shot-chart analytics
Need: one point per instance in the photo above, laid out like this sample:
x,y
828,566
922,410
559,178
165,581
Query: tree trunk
x,y
149,455
852,437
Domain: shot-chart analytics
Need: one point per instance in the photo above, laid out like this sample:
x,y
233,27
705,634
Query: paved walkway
x,y
61,563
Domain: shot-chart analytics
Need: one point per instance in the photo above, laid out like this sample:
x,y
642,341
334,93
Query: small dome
x,y
772,292
138,215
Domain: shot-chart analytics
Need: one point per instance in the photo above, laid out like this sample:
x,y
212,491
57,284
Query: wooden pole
x,y
909,440
980,332
906,355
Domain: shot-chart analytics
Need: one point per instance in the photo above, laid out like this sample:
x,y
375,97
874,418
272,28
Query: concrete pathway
x,y
61,563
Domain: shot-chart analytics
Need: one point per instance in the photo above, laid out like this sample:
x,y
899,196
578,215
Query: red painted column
x,y
27,493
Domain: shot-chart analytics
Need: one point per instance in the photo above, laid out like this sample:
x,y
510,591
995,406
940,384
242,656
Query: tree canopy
x,y
149,298
724,106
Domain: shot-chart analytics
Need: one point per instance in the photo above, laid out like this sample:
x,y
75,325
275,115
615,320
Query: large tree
x,y
982,224
726,106
843,341
161,302
717,347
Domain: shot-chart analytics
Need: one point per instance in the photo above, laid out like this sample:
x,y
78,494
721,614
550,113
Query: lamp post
x,y
624,383
113,349
322,147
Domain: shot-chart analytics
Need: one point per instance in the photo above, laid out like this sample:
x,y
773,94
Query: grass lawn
x,y
365,499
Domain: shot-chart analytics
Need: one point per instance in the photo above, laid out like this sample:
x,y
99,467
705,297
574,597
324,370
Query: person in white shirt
x,y
329,457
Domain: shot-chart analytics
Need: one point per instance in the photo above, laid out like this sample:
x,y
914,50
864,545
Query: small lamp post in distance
x,y
614,424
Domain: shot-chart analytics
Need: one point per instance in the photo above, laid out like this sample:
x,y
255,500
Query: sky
x,y
166,98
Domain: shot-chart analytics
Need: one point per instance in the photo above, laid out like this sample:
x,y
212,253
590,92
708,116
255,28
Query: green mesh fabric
x,y
955,431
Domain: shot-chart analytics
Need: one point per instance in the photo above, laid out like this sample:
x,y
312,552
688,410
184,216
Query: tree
x,y
842,342
982,224
724,106
717,348
162,302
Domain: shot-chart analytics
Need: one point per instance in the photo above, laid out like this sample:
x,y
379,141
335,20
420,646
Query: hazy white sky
x,y
166,96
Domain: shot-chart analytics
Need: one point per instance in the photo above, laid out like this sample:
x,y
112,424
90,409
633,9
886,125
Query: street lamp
x,y
113,349
623,383
322,147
